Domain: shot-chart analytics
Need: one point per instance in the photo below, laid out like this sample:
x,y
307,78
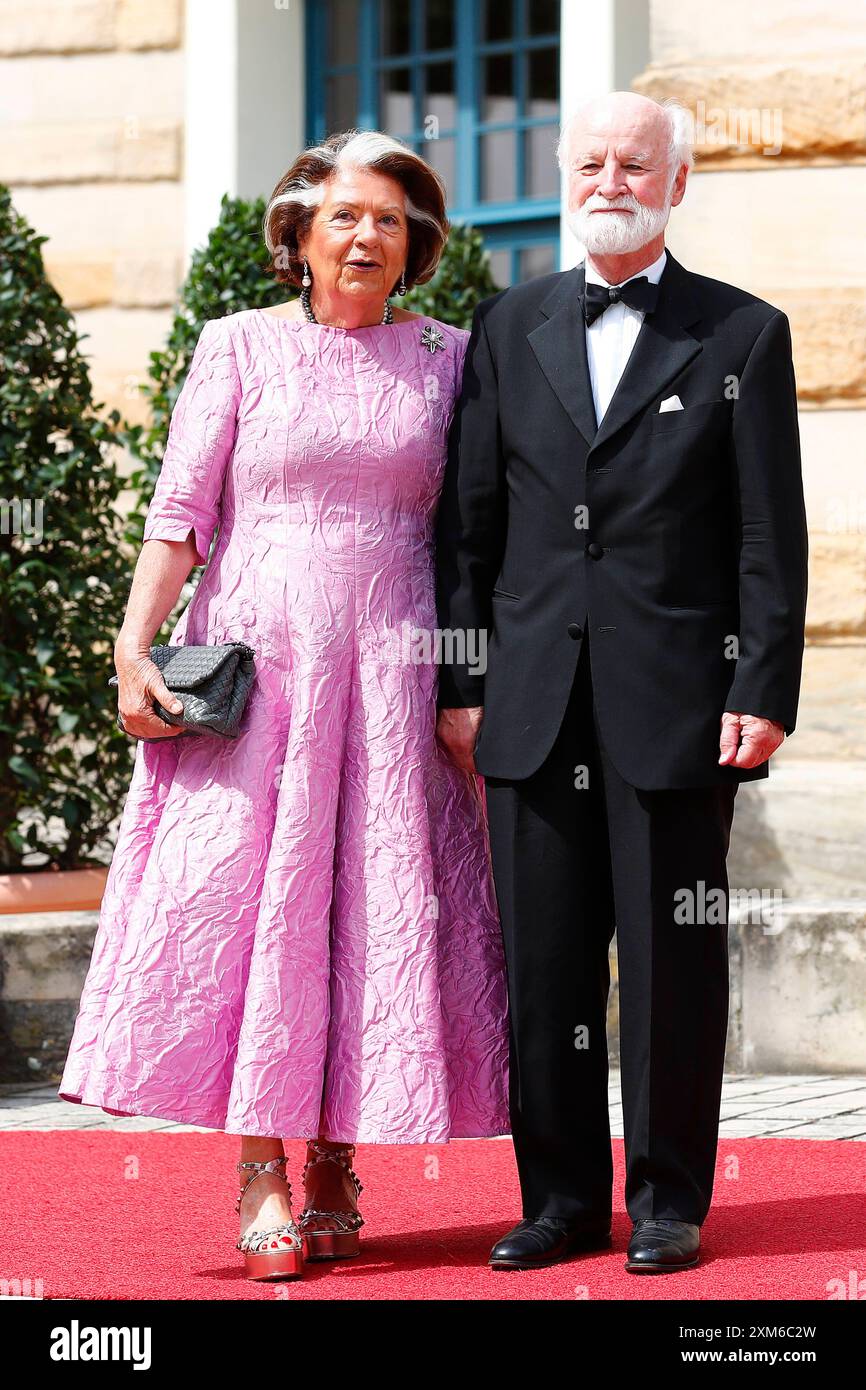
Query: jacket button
x,y
575,630
594,550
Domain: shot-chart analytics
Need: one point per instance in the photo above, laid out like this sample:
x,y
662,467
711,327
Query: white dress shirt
x,y
611,337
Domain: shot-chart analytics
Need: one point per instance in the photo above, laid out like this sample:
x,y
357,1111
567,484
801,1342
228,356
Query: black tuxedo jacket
x,y
676,540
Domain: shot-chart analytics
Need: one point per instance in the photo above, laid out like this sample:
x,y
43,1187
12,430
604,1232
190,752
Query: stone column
x,y
244,109
604,46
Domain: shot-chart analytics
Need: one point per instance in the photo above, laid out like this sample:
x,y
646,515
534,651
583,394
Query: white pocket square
x,y
672,403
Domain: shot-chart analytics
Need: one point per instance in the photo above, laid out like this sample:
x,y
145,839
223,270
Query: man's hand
x,y
457,730
747,740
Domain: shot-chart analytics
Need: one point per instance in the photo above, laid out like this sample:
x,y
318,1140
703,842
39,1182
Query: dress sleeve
x,y
200,442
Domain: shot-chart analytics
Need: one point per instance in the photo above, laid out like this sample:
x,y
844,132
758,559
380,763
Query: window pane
x,y
342,32
395,27
536,260
498,20
542,170
396,112
542,83
498,167
439,98
341,109
439,26
543,16
500,268
440,154
498,103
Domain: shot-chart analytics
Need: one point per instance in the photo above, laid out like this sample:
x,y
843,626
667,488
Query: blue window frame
x,y
473,86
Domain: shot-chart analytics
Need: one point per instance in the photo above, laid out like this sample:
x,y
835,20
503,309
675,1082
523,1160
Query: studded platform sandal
x,y
277,1253
332,1235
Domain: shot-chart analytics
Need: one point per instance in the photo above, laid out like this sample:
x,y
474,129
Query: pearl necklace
x,y
387,317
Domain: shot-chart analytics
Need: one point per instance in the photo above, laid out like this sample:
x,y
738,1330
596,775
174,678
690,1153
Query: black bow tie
x,y
637,294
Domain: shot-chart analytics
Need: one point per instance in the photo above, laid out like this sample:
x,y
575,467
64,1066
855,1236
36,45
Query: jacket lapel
x,y
559,343
663,348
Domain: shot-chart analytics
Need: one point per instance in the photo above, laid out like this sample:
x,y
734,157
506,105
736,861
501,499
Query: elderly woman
x,y
299,935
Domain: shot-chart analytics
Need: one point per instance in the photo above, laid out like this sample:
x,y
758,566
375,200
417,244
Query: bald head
x,y
641,126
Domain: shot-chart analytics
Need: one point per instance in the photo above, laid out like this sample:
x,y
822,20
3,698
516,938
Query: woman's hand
x,y
160,571
140,682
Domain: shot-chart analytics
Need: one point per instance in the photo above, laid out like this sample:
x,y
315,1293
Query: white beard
x,y
608,234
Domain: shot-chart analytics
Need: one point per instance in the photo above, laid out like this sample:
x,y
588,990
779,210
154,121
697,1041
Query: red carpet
x,y
113,1215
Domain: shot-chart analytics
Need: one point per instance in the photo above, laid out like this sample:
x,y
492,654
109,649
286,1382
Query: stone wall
x,y
91,145
43,962
777,204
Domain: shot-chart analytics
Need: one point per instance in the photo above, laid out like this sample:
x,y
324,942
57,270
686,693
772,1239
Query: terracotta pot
x,y
47,890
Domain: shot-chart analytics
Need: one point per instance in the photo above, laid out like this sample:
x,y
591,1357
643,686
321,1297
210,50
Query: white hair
x,y
680,145
353,149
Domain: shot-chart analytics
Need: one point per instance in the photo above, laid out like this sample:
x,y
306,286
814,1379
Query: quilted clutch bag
x,y
212,684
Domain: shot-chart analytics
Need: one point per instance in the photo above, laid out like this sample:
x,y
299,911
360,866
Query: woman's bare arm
x,y
160,573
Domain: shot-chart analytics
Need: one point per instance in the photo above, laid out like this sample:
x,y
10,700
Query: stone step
x,y
802,830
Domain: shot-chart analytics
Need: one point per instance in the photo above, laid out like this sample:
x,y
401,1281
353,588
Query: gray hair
x,y
355,149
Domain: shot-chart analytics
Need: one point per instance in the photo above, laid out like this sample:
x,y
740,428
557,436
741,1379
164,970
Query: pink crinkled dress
x,y
301,922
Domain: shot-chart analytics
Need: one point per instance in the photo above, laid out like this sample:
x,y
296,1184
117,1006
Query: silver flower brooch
x,y
432,338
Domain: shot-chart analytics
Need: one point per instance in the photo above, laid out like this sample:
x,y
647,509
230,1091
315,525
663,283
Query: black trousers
x,y
578,853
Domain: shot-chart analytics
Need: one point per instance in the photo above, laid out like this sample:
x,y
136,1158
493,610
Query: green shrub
x,y
64,766
462,279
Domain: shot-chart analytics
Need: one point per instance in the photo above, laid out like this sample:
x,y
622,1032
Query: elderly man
x,y
623,511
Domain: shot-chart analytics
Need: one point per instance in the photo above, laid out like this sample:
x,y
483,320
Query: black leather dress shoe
x,y
545,1241
657,1246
